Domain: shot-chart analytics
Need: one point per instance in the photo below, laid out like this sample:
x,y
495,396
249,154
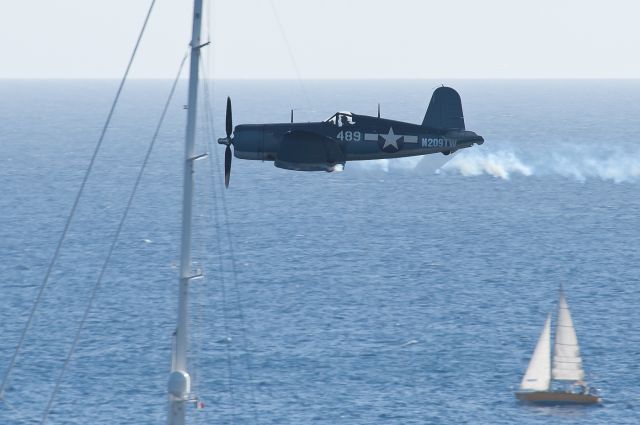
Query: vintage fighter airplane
x,y
328,145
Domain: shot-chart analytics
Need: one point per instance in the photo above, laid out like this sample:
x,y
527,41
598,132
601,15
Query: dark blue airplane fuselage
x,y
361,140
321,146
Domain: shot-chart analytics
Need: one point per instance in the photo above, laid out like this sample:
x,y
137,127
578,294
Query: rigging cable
x,y
19,415
209,126
56,253
213,208
234,273
290,51
210,130
114,242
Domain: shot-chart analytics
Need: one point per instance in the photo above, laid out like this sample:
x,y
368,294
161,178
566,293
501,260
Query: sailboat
x,y
537,385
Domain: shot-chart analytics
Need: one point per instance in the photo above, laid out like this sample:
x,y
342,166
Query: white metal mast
x,y
179,380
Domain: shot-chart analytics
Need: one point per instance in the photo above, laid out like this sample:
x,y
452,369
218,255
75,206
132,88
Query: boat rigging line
x,y
56,253
114,242
215,163
212,210
290,52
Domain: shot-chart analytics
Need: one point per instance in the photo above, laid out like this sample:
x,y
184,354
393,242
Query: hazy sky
x,y
327,39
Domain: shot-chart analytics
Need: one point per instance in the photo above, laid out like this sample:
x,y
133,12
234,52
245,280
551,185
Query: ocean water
x,y
409,291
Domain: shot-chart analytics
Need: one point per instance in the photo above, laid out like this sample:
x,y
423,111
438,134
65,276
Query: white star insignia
x,y
390,139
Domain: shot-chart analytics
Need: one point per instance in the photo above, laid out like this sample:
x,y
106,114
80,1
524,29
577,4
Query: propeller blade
x,y
227,165
229,127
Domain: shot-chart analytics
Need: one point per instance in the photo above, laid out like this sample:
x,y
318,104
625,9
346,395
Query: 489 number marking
x,y
349,136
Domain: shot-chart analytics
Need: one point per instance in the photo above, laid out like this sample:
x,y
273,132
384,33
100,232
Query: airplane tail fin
x,y
445,110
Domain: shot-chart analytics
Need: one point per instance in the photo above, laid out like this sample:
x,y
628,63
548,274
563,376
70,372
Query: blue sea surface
x,y
409,291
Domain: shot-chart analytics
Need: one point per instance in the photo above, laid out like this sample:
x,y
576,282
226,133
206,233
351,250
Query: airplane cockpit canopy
x,y
341,118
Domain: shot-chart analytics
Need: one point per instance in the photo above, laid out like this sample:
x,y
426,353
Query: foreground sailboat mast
x,y
179,379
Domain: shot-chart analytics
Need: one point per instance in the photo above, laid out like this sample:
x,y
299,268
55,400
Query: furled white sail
x,y
567,364
538,373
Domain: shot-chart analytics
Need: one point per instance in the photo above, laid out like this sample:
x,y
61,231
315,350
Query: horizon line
x,y
327,79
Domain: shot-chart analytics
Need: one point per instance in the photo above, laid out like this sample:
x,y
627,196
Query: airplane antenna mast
x,y
378,109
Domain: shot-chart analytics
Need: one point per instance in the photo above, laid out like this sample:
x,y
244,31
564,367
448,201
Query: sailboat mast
x,y
179,380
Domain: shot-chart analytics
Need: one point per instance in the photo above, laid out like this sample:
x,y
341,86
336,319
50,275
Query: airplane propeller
x,y
227,152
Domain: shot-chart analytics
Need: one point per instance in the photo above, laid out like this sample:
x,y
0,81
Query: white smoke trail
x,y
386,165
617,166
577,162
425,164
500,164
